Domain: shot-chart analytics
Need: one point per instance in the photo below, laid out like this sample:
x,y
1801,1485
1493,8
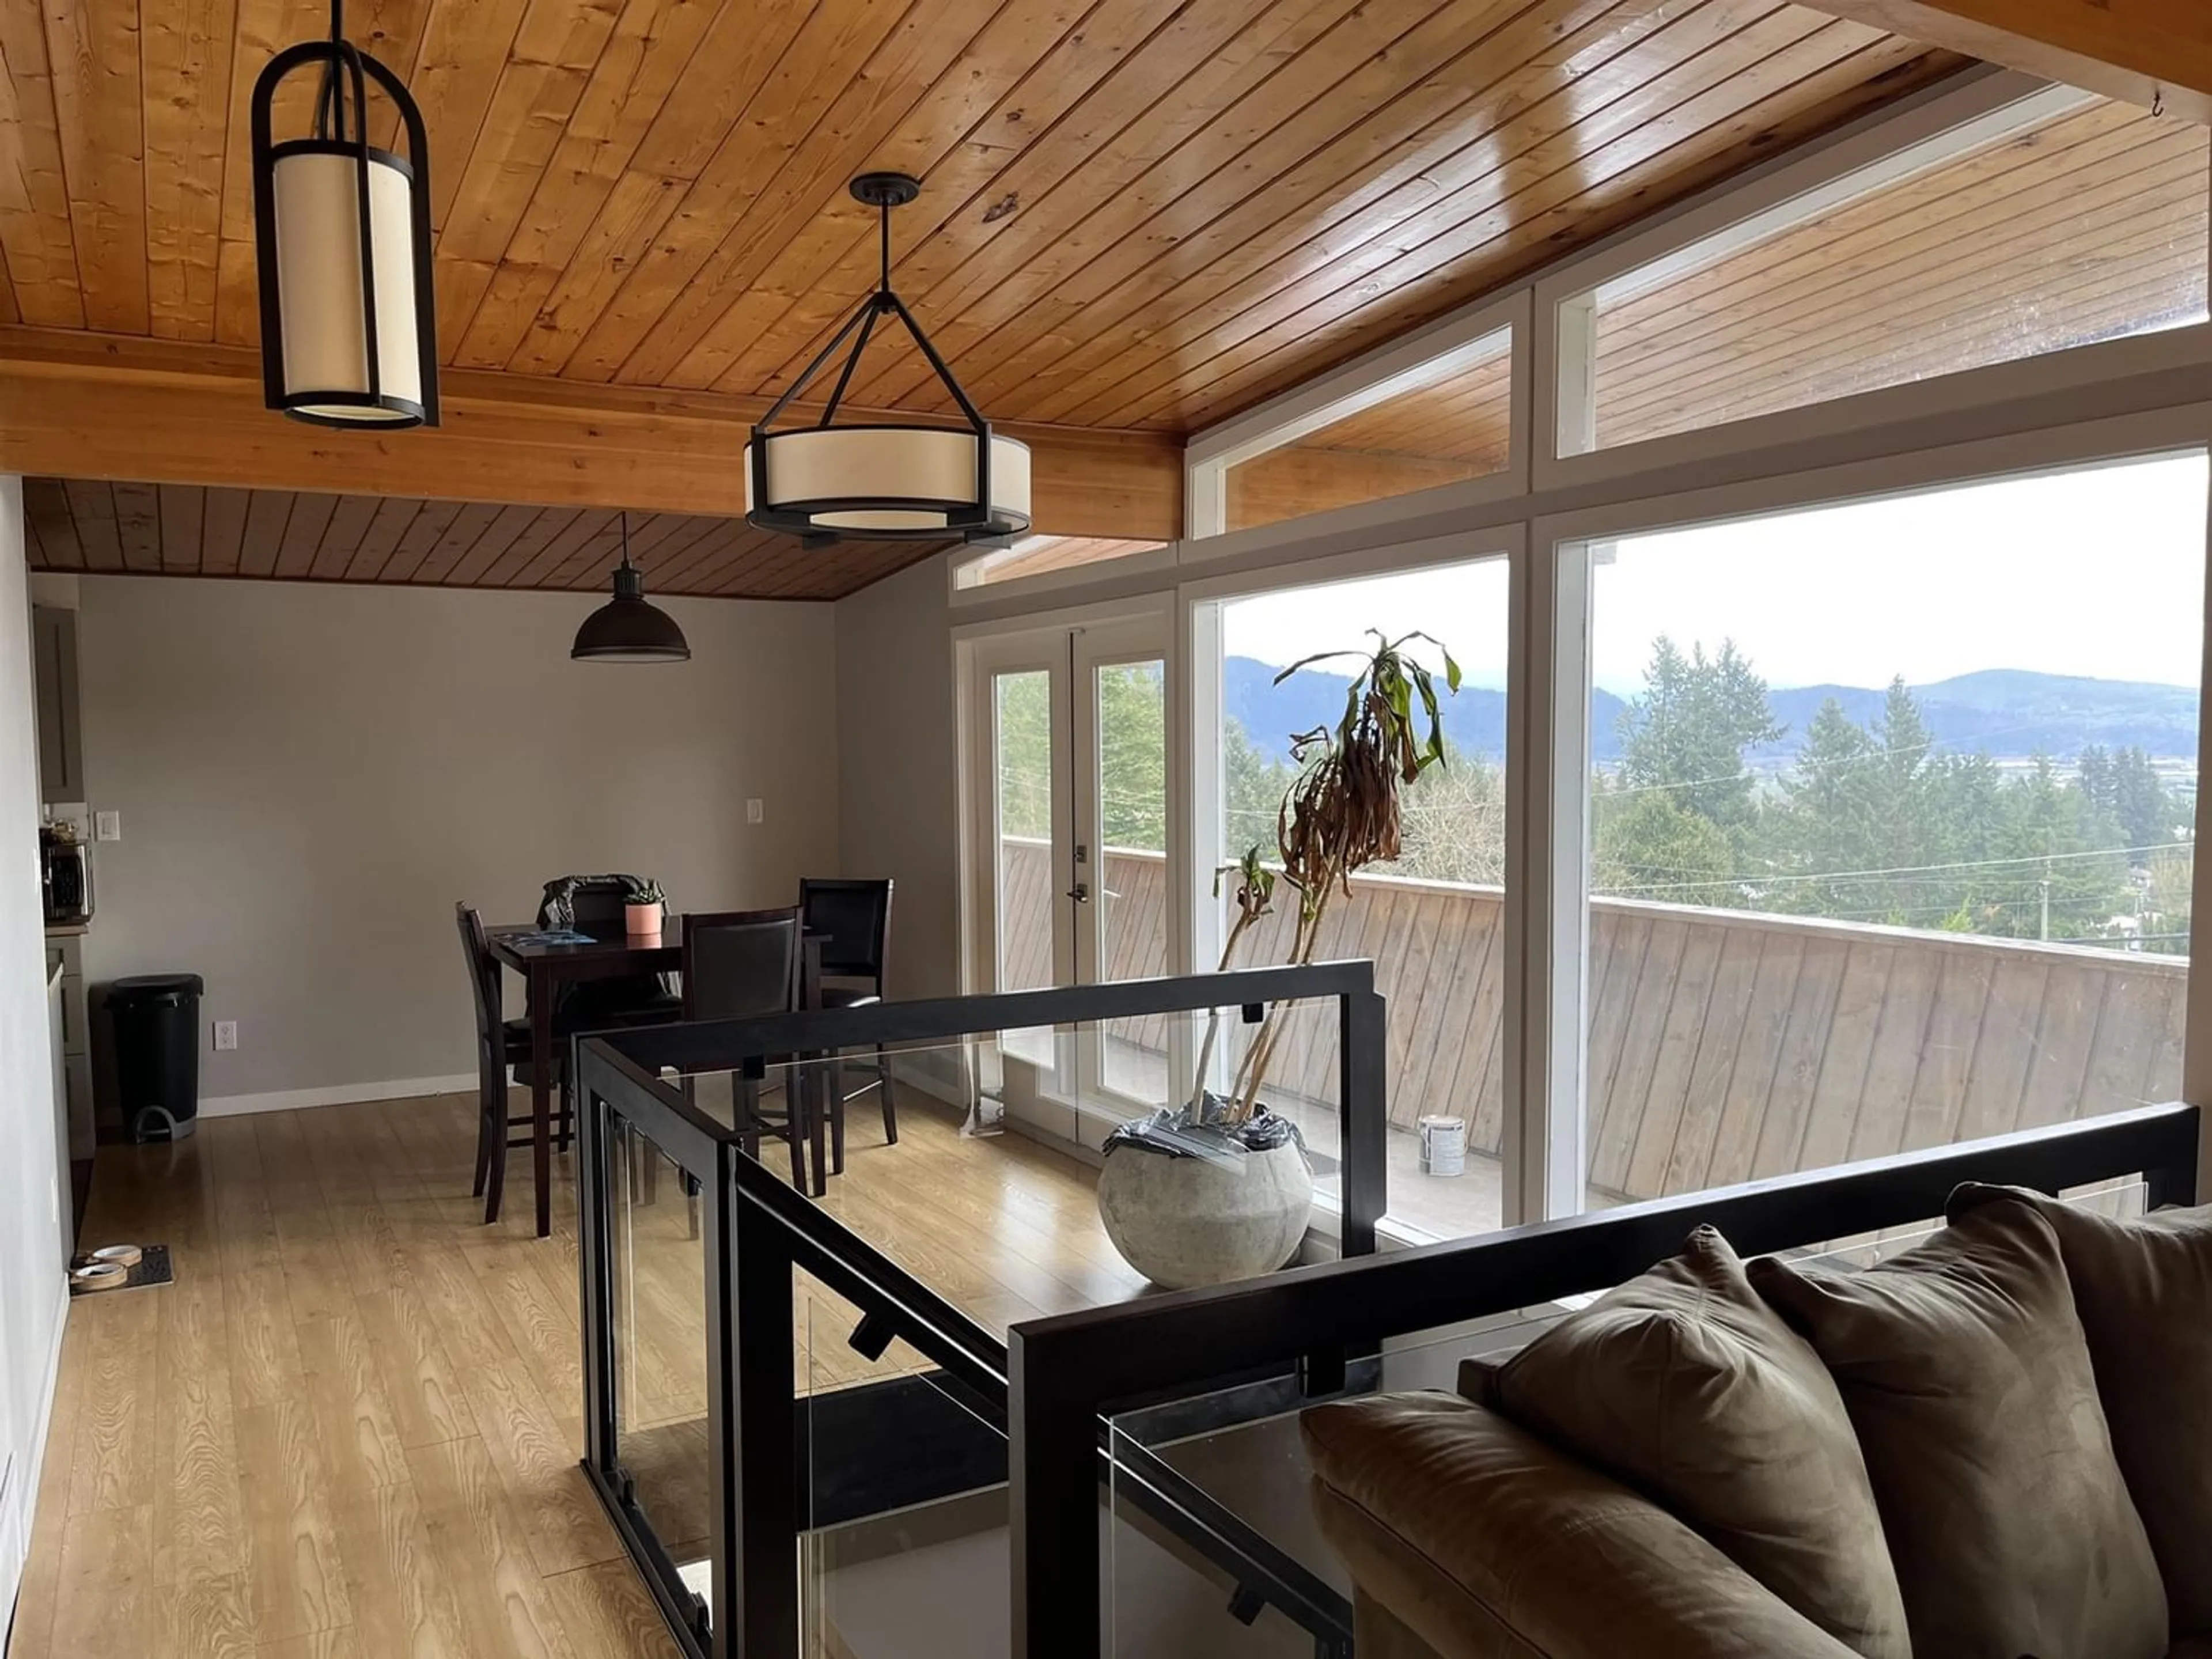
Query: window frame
x,y
1360,385
1553,880
1918,134
2111,401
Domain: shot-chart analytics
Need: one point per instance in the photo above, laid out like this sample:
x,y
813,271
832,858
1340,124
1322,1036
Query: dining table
x,y
546,966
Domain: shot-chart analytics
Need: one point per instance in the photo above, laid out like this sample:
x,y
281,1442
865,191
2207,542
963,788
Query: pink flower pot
x,y
642,921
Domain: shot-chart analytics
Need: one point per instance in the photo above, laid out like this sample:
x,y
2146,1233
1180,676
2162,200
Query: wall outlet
x,y
226,1033
108,826
753,813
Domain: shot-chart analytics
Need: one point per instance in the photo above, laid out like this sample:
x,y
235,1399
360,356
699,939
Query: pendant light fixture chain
x,y
329,100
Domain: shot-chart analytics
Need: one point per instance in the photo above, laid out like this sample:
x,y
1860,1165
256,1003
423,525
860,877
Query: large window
x,y
1433,919
1893,813
2002,241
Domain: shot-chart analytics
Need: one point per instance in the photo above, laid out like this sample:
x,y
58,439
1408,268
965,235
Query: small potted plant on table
x,y
1219,1187
644,909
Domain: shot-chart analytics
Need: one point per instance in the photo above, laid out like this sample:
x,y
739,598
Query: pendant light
x,y
884,480
626,629
342,242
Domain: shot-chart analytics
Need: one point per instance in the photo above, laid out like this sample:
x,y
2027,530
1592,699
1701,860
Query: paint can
x,y
1444,1146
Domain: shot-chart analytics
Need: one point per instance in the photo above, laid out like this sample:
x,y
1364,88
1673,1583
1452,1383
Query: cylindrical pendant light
x,y
902,482
342,239
626,629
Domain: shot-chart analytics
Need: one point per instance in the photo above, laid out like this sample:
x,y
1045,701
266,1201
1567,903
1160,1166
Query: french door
x,y
1068,741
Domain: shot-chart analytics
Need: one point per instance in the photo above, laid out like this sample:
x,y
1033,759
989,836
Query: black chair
x,y
501,1043
738,965
854,919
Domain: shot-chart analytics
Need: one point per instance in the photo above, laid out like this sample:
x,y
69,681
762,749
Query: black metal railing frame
x,y
1071,1372
755,1229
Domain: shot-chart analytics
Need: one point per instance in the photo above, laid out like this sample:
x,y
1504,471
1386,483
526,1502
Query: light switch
x,y
108,826
753,814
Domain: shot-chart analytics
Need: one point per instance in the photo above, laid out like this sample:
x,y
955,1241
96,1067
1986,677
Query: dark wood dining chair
x,y
502,1044
738,965
853,917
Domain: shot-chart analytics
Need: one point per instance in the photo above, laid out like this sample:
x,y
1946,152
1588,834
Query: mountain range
x,y
2004,713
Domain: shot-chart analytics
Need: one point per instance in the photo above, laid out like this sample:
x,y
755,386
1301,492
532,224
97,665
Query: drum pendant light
x,y
626,629
900,481
342,242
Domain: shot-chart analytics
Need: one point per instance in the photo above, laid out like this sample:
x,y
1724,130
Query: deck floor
x,y
350,1429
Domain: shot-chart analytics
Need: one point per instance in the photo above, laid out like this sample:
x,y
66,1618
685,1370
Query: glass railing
x,y
797,1405
937,1409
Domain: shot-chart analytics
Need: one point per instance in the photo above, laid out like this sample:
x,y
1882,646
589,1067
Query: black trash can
x,y
157,1052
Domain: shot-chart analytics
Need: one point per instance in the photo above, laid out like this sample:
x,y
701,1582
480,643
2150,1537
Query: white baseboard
x,y
336,1094
24,1493
935,1071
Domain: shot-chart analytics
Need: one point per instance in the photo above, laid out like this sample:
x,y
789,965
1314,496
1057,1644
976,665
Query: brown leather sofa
x,y
1996,1445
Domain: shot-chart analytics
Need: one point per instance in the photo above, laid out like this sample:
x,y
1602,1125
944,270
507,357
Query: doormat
x,y
151,1268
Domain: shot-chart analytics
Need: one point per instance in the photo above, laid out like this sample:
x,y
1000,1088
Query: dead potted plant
x,y
1219,1187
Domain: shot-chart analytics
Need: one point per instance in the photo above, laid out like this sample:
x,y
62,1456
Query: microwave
x,y
65,878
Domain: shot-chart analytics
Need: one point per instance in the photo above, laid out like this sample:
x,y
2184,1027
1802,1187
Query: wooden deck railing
x,y
1723,1045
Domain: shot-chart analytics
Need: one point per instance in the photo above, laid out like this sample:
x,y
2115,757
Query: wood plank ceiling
x,y
182,530
1144,213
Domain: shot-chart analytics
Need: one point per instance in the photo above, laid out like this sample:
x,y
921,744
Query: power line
x,y
1771,877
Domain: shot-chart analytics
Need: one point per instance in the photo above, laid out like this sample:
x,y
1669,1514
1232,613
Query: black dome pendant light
x,y
626,629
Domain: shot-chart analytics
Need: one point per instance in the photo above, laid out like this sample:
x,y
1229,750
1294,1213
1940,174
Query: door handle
x,y
1080,892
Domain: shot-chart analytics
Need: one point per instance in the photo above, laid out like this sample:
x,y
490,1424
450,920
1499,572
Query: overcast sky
x,y
2096,573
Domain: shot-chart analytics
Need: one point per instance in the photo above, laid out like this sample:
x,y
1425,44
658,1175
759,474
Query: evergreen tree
x,y
1686,733
1024,754
1647,847
1830,823
2094,768
1132,735
2142,811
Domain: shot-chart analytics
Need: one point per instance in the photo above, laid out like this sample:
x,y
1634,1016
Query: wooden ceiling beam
x,y
74,404
2157,53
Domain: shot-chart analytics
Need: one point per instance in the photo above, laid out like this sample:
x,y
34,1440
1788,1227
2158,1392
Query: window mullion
x,y
1546,881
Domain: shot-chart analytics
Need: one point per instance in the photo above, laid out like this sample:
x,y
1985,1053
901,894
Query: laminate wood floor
x,y
350,1429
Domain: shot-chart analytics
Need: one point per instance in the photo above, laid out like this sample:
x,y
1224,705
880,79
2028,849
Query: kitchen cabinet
x,y
53,667
65,957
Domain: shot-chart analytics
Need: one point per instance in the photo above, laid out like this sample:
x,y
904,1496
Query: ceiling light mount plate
x,y
885,190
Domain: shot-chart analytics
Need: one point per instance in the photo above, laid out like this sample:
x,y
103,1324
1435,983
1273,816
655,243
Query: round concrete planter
x,y
1227,1213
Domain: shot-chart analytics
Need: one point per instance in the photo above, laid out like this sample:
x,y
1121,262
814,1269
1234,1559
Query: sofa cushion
x,y
1486,1542
1963,1368
1683,1384
2143,1290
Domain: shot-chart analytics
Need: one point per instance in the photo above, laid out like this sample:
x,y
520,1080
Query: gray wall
x,y
899,768
33,1295
309,776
